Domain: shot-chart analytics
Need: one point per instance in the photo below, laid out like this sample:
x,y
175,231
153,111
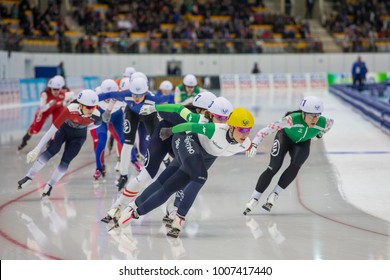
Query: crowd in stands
x,y
214,26
360,25
20,20
220,26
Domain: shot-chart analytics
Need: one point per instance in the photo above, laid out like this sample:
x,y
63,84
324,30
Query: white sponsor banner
x,y
318,81
263,81
298,80
280,81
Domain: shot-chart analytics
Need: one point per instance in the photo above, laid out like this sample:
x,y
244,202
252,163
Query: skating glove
x,y
31,156
147,110
251,152
165,133
106,116
46,107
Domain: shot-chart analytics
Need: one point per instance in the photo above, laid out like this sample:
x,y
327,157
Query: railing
x,y
77,44
141,45
362,44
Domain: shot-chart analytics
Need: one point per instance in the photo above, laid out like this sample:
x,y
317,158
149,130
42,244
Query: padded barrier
x,y
376,110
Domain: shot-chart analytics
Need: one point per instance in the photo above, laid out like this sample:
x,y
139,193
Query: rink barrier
x,y
377,111
24,92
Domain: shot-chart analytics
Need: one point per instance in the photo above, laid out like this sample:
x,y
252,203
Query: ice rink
x,y
337,208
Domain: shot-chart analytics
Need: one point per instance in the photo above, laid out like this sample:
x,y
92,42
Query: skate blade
x,y
267,207
113,227
106,219
167,219
173,234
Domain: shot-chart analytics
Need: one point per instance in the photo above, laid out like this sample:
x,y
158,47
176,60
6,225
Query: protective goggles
x,y
90,107
243,130
313,115
138,95
220,118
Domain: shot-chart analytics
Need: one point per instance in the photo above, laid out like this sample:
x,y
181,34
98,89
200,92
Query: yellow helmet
x,y
241,117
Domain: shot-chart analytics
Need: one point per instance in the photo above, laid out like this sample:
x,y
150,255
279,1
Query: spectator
x,y
359,71
309,9
61,69
256,69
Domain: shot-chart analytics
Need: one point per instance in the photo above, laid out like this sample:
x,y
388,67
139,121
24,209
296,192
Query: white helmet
x,y
311,104
138,86
88,97
109,85
203,99
56,83
124,84
98,90
59,77
190,80
139,75
166,85
128,72
220,106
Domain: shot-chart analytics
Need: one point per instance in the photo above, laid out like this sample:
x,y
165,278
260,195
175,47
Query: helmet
x,y
88,97
221,106
203,99
139,75
311,104
98,90
60,78
138,86
241,117
128,72
124,83
109,85
56,83
190,80
166,85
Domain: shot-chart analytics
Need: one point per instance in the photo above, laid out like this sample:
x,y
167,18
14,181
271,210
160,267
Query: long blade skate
x,y
250,205
173,232
246,211
267,207
116,225
106,219
23,181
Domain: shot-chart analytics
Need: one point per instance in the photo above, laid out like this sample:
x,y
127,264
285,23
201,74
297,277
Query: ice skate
x,y
250,205
127,215
169,216
112,214
168,219
122,182
26,137
176,227
23,181
270,201
47,191
98,173
22,145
